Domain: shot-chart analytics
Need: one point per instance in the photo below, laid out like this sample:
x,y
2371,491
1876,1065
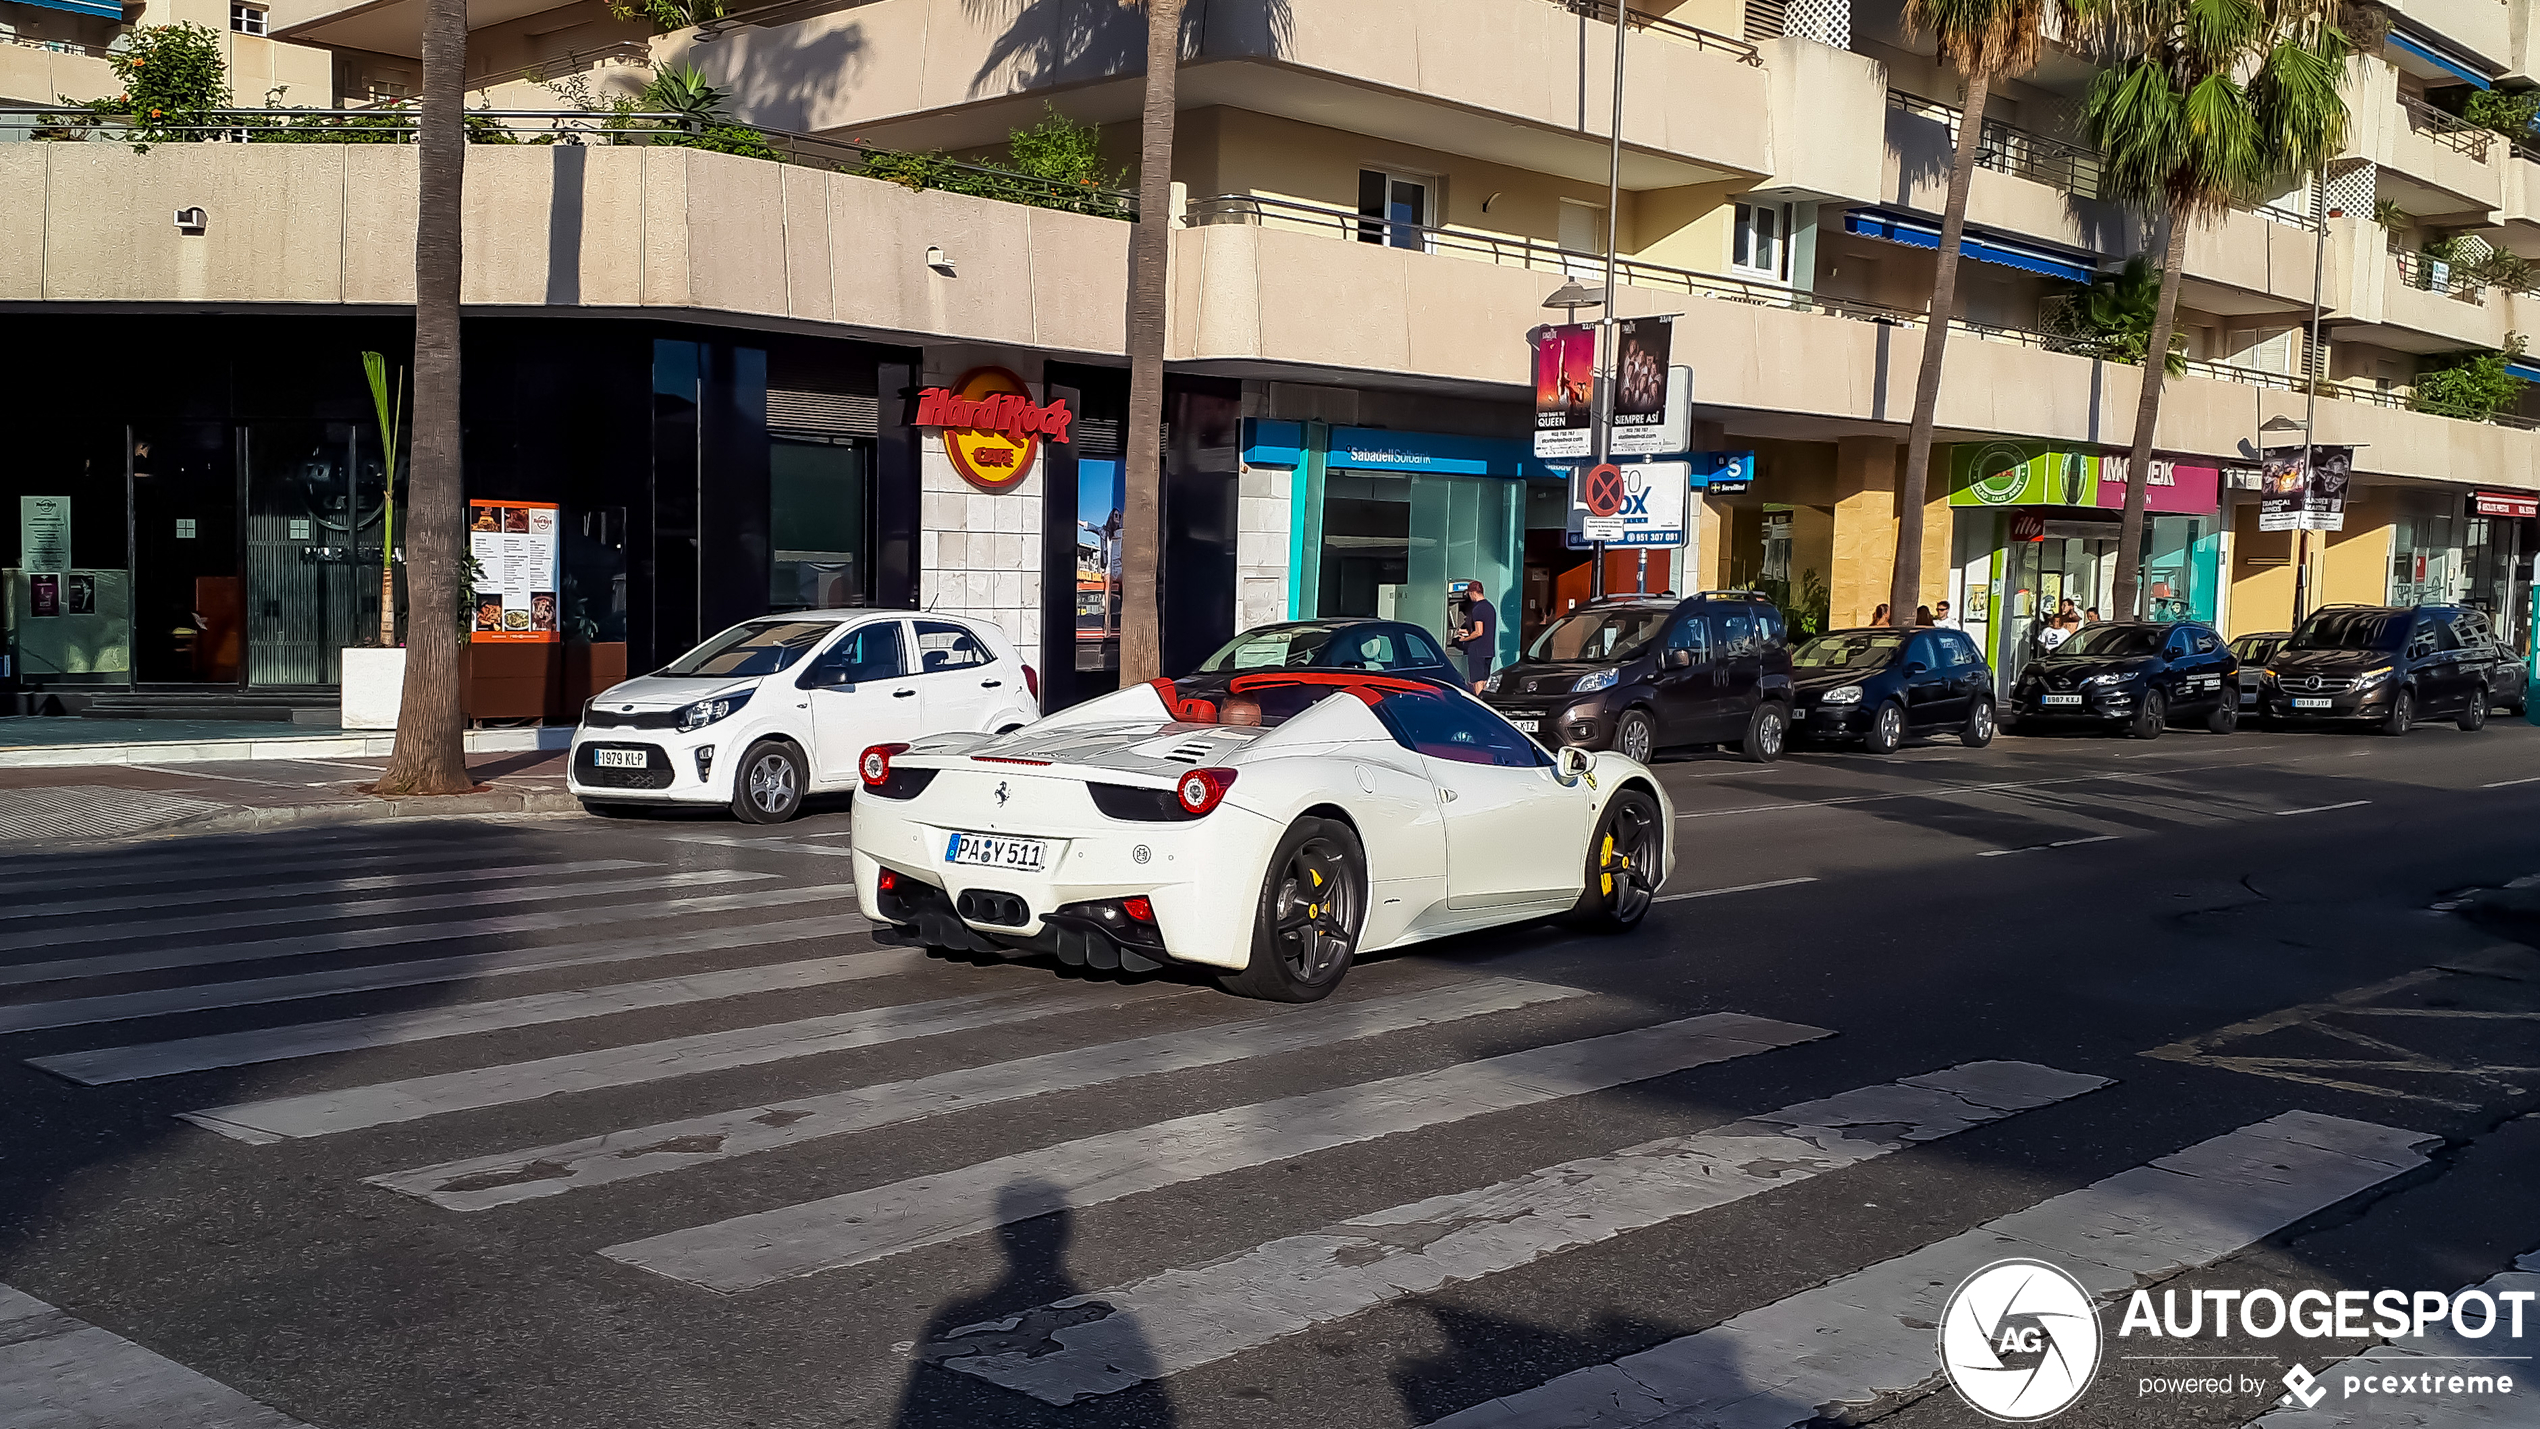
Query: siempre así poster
x,y
515,546
1565,389
1642,350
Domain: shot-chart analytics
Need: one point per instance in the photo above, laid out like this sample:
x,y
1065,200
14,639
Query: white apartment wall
x,y
978,552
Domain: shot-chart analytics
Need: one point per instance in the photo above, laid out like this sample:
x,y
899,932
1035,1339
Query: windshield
x,y
2115,640
1849,650
2351,630
1616,634
761,647
2257,647
1279,647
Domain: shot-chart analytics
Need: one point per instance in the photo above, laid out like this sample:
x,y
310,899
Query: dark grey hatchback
x,y
1636,674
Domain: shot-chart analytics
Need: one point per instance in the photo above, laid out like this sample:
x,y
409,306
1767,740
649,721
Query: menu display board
x,y
515,545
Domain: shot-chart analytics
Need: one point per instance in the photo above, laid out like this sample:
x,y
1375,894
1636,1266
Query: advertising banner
x,y
1565,390
2033,474
515,544
44,533
1641,381
1654,499
2504,503
2294,499
2175,487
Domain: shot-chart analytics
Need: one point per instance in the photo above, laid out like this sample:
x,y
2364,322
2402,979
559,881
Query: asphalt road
x,y
630,1122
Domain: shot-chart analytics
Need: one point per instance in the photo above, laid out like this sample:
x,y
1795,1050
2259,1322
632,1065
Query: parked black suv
x,y
2137,676
1636,674
2389,664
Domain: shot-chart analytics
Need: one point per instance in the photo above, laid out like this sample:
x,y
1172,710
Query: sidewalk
x,y
126,798
55,741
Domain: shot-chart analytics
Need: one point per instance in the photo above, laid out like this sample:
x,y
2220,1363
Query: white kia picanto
x,y
782,706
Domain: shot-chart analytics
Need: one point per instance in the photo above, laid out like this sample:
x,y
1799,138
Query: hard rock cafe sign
x,y
992,428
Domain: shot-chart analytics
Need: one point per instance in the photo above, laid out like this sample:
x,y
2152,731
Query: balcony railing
x,y
58,47
2432,275
2056,163
2446,128
570,62
396,125
1677,30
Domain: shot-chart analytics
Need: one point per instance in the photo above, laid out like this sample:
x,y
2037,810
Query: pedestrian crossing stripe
x,y
1115,1339
2437,1347
750,1251
59,1372
1863,1341
244,892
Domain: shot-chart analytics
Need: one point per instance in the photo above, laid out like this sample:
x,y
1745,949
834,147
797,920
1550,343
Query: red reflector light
x,y
1138,909
1203,789
1032,681
1009,759
887,881
876,764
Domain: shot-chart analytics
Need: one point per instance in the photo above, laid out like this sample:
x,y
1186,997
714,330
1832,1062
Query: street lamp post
x,y
1602,411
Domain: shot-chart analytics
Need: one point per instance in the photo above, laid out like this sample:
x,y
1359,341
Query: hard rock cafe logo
x,y
992,428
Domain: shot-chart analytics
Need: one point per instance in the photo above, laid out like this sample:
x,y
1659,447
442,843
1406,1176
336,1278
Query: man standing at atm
x,y
1476,632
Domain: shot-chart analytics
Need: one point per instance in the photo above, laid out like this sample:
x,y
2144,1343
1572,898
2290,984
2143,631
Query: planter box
x,y
374,687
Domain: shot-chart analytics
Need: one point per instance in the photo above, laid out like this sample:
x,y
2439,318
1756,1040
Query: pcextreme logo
x,y
2020,1340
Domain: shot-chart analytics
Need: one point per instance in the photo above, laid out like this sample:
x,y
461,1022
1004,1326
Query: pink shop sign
x,y
2176,487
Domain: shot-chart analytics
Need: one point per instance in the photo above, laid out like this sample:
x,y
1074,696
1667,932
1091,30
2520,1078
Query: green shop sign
x,y
2021,474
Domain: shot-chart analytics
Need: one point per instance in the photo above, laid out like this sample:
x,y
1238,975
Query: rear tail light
x,y
1204,789
887,881
1138,909
1032,681
876,764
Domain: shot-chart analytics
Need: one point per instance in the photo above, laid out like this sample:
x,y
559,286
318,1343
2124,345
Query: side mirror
x,y
1676,659
1572,762
828,678
1917,667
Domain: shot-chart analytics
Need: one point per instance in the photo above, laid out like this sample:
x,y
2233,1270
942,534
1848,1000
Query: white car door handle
x,y
902,694
990,684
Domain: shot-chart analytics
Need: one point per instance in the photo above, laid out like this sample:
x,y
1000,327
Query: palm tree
x,y
1983,40
431,753
2199,105
1150,242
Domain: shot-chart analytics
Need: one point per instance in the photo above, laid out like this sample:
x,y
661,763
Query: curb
x,y
533,802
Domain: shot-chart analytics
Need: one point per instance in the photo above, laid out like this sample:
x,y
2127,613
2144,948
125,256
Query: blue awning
x,y
97,9
2528,369
2436,56
1984,248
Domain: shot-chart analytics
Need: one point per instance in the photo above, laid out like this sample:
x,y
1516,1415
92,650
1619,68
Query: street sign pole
x,y
1607,362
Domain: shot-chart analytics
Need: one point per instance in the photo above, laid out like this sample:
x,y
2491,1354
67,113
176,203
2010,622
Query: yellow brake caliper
x,y
1608,866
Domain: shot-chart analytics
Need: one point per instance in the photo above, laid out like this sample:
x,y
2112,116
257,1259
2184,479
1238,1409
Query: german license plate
x,y
2060,700
998,851
618,758
2309,704
1527,725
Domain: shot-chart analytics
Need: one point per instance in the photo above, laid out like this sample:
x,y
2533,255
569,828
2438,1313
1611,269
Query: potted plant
x,y
374,676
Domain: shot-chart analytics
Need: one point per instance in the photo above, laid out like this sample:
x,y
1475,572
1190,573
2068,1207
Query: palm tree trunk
x,y
431,754
1905,590
1150,244
2124,595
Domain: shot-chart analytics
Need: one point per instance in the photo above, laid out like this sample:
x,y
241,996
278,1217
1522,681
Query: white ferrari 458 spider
x,y
1271,825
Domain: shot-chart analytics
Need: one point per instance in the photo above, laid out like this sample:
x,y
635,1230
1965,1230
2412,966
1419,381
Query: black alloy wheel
x,y
1313,904
2226,716
2403,713
1887,729
1978,730
1625,860
767,788
2474,714
1635,736
2151,716
1767,732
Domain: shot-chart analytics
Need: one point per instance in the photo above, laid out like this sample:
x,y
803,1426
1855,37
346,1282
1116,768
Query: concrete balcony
x,y
1516,82
2481,29
653,230
44,72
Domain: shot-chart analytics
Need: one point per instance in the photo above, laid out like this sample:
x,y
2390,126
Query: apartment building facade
x,y
713,361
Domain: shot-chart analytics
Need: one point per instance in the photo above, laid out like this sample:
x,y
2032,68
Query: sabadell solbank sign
x,y
2022,1341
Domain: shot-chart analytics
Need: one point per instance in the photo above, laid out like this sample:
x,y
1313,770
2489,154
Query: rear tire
x,y
1979,727
2403,714
767,786
1623,859
1887,729
2150,717
2226,716
1306,924
1635,736
2474,714
1767,732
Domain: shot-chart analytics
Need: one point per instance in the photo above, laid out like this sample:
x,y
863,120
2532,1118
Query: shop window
x,y
247,19
948,647
818,505
1406,204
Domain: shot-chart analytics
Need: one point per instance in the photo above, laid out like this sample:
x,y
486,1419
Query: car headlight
x,y
1842,695
706,711
2372,677
1601,680
2118,678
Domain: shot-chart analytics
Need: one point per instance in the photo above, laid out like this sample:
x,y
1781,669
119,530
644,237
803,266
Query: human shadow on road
x,y
1018,1313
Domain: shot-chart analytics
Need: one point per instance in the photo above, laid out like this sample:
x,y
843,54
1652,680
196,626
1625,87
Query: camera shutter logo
x,y
2020,1341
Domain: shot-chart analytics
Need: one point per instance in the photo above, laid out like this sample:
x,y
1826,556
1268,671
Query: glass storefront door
x,y
820,524
1390,544
188,600
312,550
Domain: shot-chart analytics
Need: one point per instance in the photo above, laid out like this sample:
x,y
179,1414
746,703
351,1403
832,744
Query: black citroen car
x,y
1637,674
2387,664
1880,684
2136,676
